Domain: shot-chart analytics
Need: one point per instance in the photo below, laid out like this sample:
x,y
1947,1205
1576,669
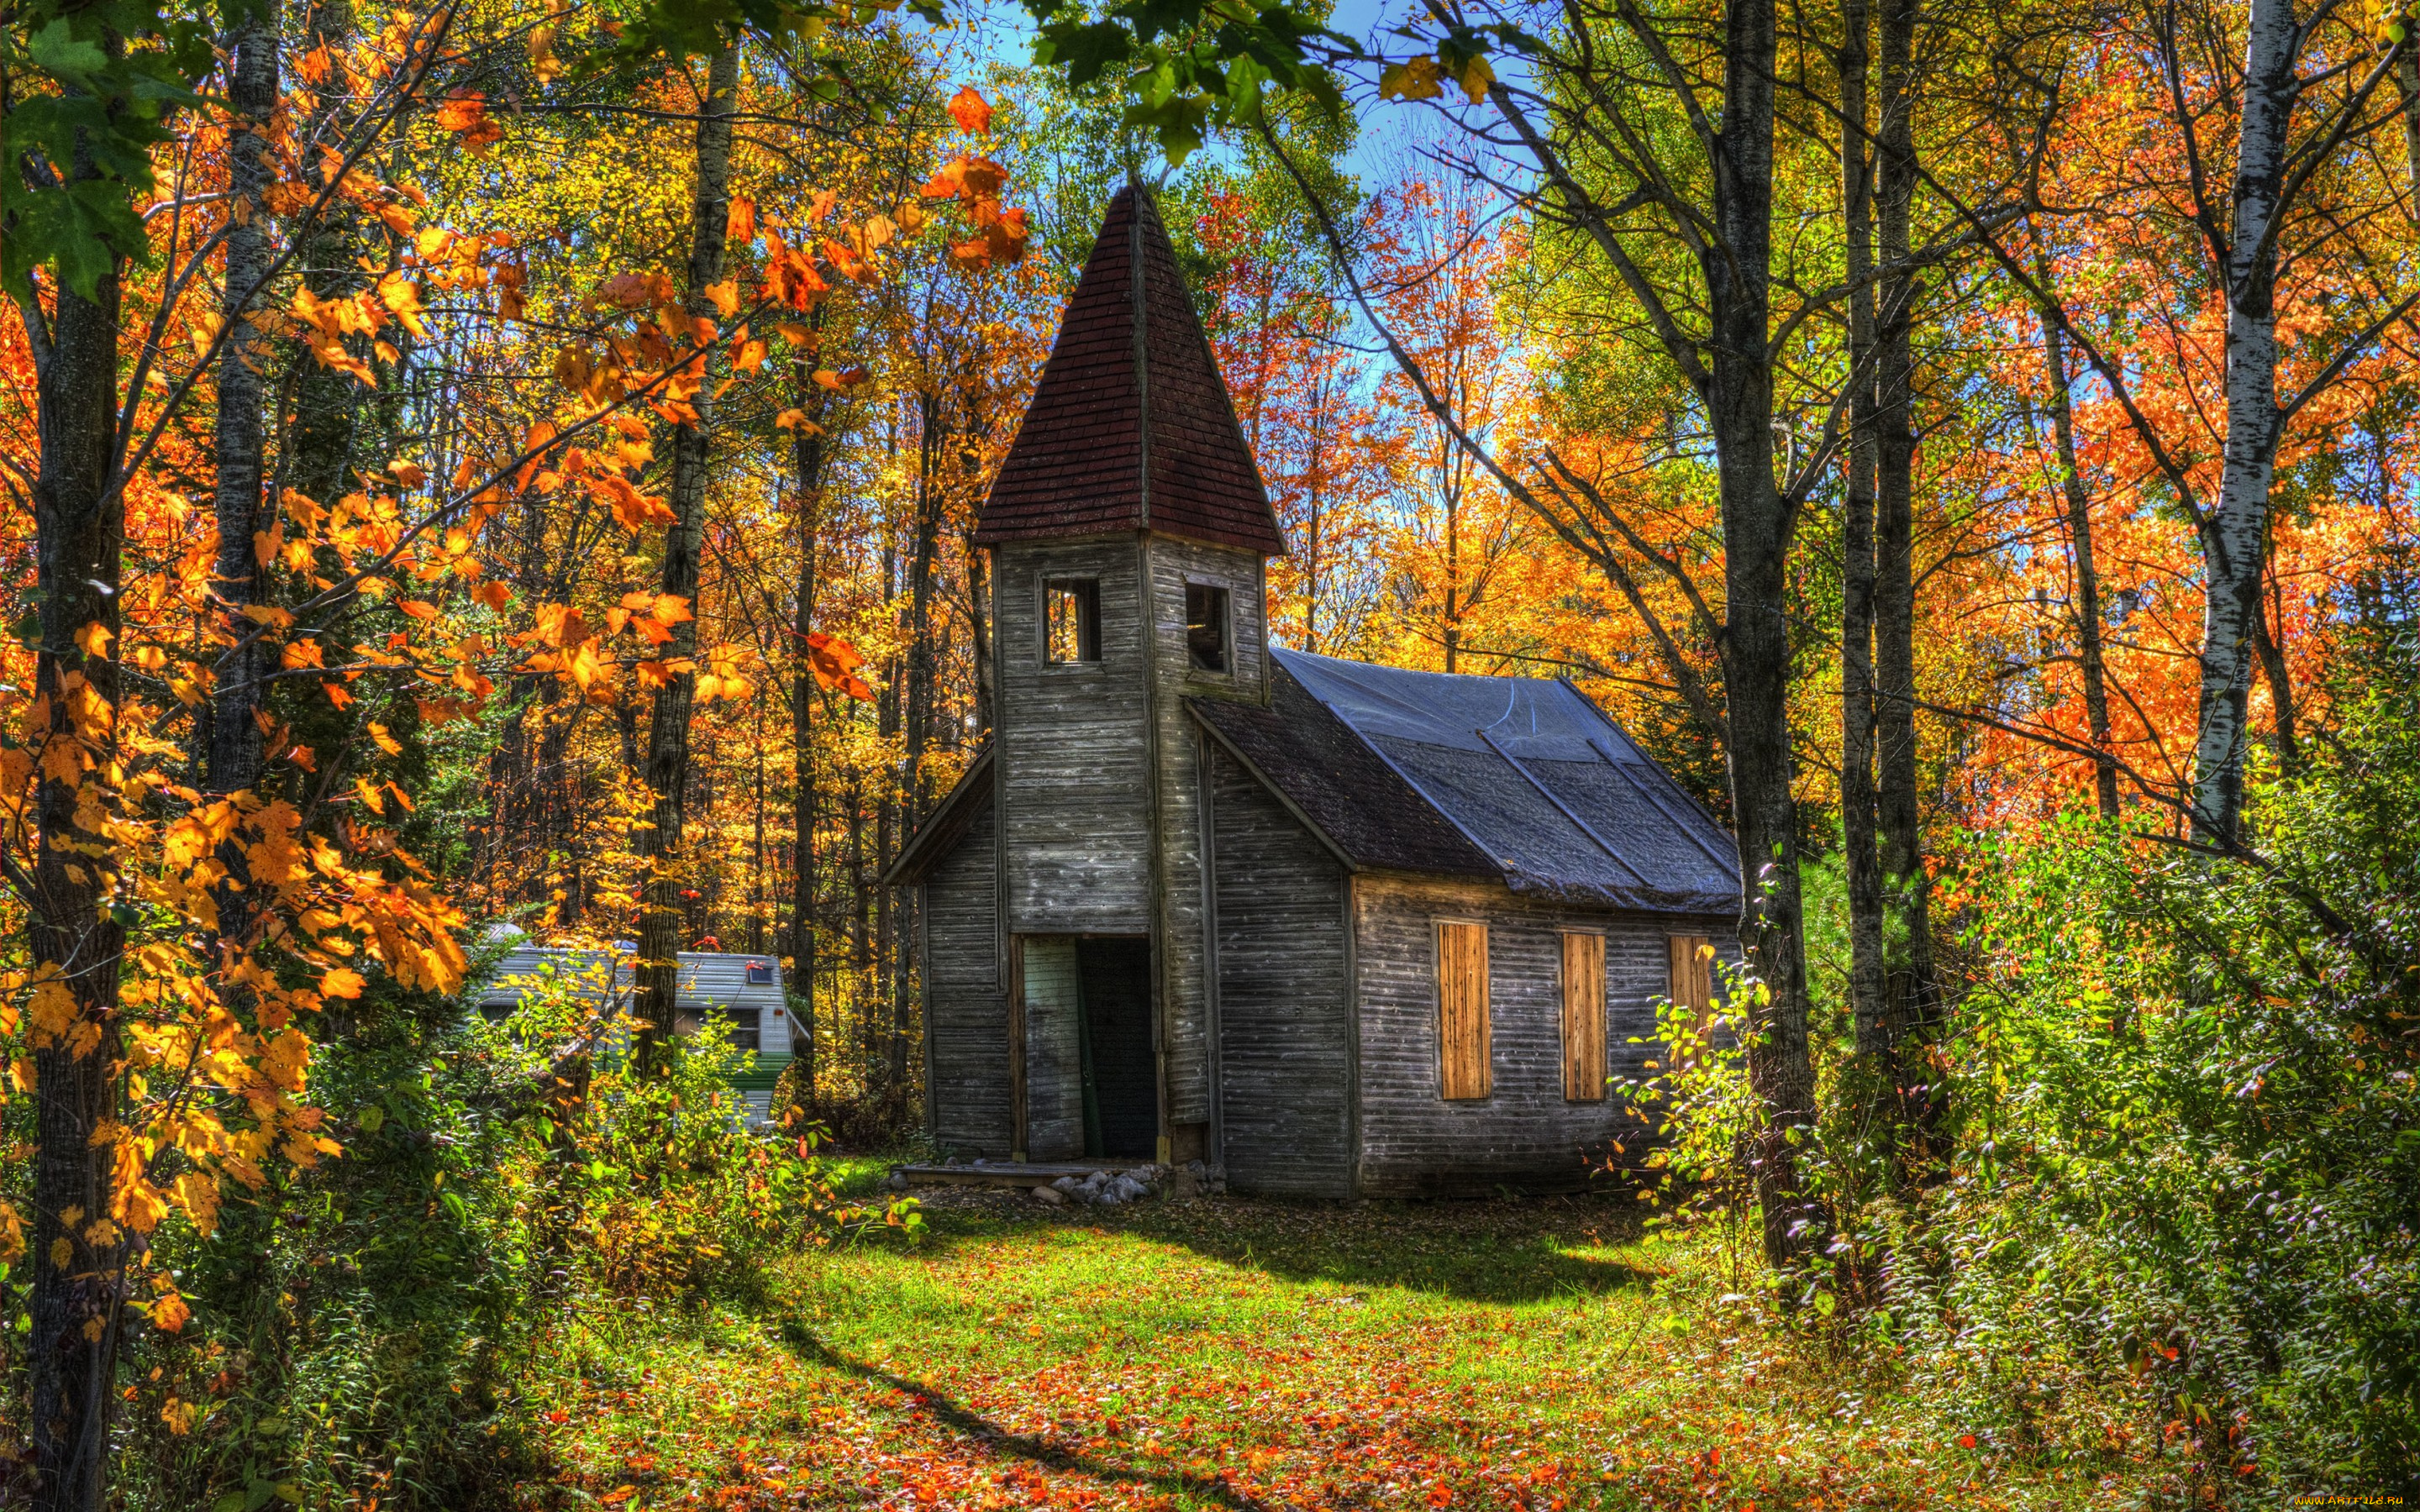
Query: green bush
x,y
2187,1158
363,1328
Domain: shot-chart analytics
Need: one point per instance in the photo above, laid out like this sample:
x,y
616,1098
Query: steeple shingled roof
x,y
1131,426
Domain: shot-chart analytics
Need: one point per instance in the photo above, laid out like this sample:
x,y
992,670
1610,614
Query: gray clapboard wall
x,y
1285,1032
1098,784
1174,562
965,1002
1074,768
1525,1134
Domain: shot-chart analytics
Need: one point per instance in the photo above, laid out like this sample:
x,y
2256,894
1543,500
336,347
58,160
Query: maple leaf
x,y
834,662
465,114
1414,80
965,177
972,111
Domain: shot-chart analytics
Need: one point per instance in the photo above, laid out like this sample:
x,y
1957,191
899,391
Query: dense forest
x,y
508,470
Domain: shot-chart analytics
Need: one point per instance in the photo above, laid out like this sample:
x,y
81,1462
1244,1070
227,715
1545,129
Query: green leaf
x,y
57,51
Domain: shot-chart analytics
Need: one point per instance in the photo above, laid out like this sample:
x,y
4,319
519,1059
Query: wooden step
x,y
1011,1173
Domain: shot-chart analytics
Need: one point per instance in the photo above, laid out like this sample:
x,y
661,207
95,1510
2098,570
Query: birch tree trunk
x,y
238,576
659,845
2234,537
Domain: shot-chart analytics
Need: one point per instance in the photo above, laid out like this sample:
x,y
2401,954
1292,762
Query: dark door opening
x,y
1121,1084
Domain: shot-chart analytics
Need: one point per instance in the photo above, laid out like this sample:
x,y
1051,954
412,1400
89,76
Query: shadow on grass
x,y
998,1442
1513,1250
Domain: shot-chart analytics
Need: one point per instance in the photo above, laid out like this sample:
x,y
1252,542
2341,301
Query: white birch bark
x,y
2234,537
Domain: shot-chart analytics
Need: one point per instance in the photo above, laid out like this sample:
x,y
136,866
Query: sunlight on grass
x,y
1238,1354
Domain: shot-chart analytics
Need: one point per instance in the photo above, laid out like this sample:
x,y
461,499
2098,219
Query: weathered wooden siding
x,y
1285,1066
1054,1072
1074,772
965,1002
1525,1133
1185,1014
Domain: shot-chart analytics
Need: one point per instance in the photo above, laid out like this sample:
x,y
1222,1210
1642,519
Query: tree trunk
x,y
1862,861
322,437
2272,649
2088,622
72,926
659,845
932,449
810,451
2234,537
1910,998
238,576
2407,77
1757,528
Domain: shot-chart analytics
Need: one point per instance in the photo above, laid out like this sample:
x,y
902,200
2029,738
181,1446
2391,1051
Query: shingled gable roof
x,y
1131,426
1515,778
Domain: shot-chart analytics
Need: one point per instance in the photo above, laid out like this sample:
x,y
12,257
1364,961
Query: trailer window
x,y
747,1032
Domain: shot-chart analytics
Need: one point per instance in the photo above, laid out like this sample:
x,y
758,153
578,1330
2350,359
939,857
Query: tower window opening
x,y
1205,627
1071,624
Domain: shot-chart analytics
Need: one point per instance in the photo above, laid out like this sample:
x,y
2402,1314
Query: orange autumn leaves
x,y
1001,232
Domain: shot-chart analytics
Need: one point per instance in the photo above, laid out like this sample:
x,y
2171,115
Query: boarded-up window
x,y
1584,1018
1462,1009
1692,979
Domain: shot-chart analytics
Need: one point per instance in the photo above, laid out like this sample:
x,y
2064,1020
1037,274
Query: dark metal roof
x,y
1348,796
1532,779
1131,426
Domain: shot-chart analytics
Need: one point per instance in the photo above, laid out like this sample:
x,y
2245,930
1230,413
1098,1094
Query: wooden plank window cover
x,y
1463,1060
1584,1018
1693,977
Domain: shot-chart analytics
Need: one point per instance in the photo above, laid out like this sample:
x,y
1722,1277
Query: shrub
x,y
2187,1158
361,1330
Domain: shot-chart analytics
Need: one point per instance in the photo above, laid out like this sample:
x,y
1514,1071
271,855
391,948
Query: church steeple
x,y
1131,426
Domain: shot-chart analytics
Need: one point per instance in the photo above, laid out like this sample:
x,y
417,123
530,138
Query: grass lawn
x,y
1241,1354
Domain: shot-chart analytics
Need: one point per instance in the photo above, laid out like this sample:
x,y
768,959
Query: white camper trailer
x,y
745,991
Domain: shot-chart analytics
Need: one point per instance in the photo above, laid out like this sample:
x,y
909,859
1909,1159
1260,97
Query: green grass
x,y
1240,1354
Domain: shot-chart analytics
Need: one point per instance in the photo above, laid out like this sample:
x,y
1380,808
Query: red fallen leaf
x,y
558,1417
1965,1441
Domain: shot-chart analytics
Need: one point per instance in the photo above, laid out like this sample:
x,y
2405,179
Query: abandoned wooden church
x,y
1345,929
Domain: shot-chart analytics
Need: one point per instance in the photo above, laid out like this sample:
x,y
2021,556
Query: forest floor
x,y
1235,1354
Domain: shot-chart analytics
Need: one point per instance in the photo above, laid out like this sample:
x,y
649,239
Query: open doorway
x,y
1120,1085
